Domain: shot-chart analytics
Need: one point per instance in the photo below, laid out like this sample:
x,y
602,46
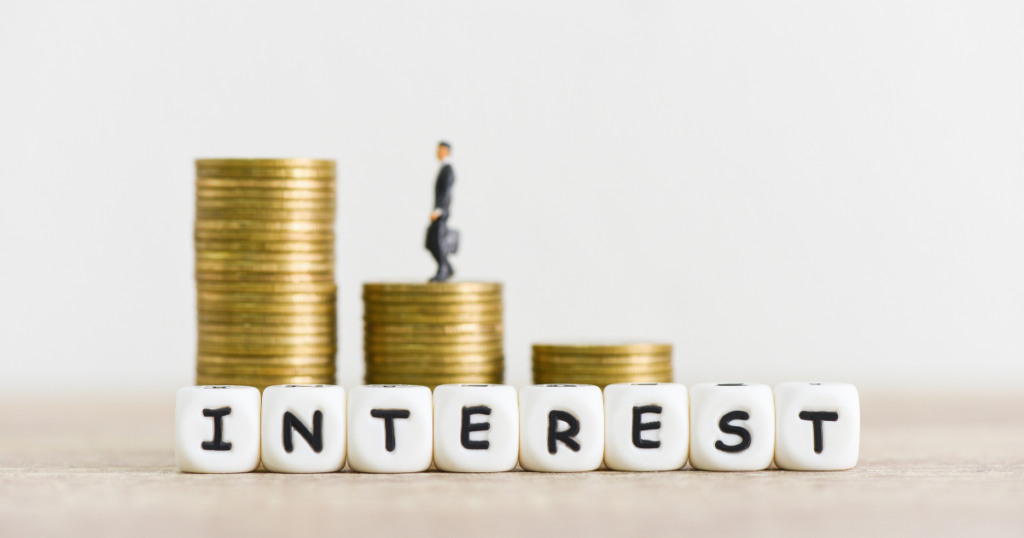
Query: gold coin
x,y
604,370
265,246
639,348
433,287
602,360
263,350
267,319
431,339
265,214
664,377
452,358
231,266
265,225
261,204
470,308
217,255
268,308
267,287
290,298
234,370
206,276
261,236
288,360
433,329
440,319
448,369
249,328
300,162
265,194
431,298
431,349
327,184
433,380
269,339
266,173
262,382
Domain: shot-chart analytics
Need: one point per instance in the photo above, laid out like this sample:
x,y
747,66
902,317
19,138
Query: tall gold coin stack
x,y
602,364
265,271
433,333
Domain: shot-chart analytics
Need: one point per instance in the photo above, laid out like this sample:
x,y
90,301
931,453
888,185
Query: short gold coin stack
x,y
433,333
602,364
264,240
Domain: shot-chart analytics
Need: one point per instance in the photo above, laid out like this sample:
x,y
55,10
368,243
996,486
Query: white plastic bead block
x,y
476,428
732,427
817,426
390,429
647,426
303,428
217,429
561,428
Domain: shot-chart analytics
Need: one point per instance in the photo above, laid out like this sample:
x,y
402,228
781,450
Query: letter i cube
x,y
476,428
647,426
217,429
390,429
732,426
817,426
303,428
561,428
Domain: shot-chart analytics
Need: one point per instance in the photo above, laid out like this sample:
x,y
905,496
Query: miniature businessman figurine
x,y
440,240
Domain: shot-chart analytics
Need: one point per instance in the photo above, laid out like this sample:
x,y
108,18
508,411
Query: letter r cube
x,y
561,428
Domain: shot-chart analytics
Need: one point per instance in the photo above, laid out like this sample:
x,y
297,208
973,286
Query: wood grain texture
x,y
938,464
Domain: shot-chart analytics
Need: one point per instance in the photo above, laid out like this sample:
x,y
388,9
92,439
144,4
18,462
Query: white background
x,y
783,190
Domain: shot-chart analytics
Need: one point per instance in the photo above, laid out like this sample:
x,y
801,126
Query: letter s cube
x,y
476,428
817,426
217,429
732,426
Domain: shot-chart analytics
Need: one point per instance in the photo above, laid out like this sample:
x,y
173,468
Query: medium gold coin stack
x,y
265,271
602,364
433,333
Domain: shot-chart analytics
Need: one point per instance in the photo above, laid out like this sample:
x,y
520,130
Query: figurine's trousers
x,y
436,241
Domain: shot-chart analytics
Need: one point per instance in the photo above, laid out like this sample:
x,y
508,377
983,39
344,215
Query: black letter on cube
x,y
816,417
468,427
314,438
565,436
735,430
389,416
218,429
639,425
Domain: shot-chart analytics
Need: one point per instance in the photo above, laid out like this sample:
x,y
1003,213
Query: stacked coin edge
x,y
602,364
266,297
433,333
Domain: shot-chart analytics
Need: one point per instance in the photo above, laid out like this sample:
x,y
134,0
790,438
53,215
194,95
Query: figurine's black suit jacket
x,y
442,199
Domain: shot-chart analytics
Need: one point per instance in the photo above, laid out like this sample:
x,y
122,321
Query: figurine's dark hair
x,y
445,144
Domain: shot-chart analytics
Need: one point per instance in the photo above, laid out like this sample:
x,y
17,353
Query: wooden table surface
x,y
934,464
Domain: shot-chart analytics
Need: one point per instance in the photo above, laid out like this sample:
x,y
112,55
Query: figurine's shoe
x,y
443,273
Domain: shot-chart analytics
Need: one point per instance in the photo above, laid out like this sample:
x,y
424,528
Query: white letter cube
x,y
390,429
817,426
217,429
647,426
476,428
732,427
303,428
561,428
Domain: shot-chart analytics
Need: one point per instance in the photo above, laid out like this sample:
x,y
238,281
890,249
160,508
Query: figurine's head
x,y
444,149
